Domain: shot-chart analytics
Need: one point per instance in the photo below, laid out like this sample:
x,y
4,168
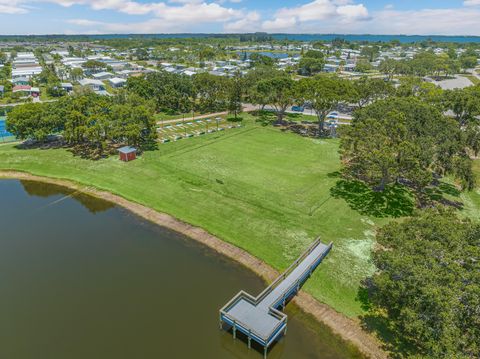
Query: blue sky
x,y
422,17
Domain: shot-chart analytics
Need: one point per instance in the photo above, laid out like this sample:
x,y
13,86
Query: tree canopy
x,y
404,140
311,63
464,103
324,93
429,283
279,92
91,122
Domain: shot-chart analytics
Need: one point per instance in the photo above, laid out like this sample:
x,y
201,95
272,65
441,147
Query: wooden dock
x,y
260,318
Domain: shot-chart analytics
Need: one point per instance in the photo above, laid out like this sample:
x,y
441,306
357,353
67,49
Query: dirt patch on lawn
x,y
348,329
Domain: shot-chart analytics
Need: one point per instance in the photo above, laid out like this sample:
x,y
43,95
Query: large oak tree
x,y
429,283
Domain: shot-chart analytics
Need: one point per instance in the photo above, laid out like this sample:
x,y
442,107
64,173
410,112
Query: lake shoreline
x,y
348,329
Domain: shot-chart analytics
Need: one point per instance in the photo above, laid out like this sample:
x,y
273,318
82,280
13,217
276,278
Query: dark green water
x,y
81,278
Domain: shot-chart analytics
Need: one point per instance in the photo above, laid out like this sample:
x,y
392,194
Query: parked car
x,y
298,108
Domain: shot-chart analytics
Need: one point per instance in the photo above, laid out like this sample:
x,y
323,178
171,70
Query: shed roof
x,y
22,88
127,149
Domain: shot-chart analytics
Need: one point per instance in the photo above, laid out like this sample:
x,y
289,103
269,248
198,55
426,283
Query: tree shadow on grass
x,y
394,201
438,193
377,323
39,145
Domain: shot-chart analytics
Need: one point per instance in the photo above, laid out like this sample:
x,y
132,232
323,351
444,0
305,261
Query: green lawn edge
x,y
265,191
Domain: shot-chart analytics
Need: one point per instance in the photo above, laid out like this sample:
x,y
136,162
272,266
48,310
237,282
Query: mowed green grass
x,y
471,200
263,190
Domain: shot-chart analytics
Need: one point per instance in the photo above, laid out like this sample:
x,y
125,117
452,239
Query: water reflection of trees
x,y
40,189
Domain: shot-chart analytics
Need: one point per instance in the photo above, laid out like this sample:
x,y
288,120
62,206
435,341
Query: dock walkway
x,y
259,318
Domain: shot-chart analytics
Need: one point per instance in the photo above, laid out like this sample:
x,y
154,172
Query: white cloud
x,y
315,14
125,6
279,24
12,7
169,18
471,3
353,12
84,22
316,10
455,21
248,23
174,8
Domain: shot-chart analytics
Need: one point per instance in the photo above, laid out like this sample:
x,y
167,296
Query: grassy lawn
x,y
6,139
471,199
268,192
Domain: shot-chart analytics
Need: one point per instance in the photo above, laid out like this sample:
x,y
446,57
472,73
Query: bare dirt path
x,y
348,329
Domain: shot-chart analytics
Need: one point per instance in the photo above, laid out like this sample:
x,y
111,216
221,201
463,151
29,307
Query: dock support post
x,y
265,348
221,323
249,339
234,331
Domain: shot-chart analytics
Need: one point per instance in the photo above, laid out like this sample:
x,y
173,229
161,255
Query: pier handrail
x,y
272,307
290,269
275,283
256,300
252,331
307,270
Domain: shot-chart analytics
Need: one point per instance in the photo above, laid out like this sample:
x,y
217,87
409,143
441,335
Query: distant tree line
x,y
429,64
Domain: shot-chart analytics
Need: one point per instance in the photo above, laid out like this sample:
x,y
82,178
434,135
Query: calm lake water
x,y
81,278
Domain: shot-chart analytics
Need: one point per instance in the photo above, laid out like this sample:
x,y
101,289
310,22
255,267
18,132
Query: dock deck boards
x,y
254,317
276,294
258,317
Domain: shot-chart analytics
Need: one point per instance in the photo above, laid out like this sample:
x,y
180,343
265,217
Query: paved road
x,y
459,82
